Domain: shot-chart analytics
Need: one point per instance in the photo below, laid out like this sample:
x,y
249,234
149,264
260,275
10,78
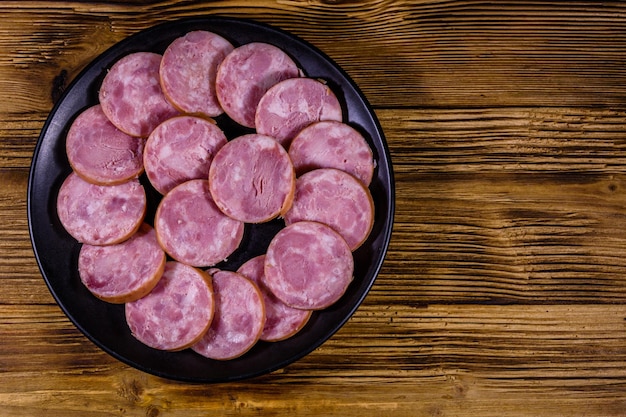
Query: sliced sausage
x,y
100,214
181,149
101,153
191,229
131,94
281,321
177,312
337,199
308,265
239,317
123,272
252,179
188,71
331,144
291,105
246,74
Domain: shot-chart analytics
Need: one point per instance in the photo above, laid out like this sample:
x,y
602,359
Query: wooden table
x,y
504,289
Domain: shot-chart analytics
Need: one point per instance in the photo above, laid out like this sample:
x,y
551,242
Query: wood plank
x,y
517,139
519,55
18,137
18,269
506,140
515,238
402,359
518,205
47,48
527,199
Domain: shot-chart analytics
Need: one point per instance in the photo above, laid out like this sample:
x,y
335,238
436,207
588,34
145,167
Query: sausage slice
x,y
192,229
100,214
281,321
252,179
131,94
177,312
308,265
188,71
332,144
337,199
239,317
101,153
293,104
181,149
246,74
123,272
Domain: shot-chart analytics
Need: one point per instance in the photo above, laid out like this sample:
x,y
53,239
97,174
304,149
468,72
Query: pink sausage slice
x,y
308,265
188,71
337,199
293,104
123,272
246,74
331,144
281,321
191,229
101,153
100,214
177,312
181,149
252,179
131,94
239,317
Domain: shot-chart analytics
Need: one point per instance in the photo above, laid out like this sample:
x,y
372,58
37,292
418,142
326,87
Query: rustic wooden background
x,y
504,289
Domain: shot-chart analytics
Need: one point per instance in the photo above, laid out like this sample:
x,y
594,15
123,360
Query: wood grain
x,y
420,359
411,54
503,291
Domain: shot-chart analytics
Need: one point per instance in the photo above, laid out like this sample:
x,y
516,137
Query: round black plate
x,y
104,323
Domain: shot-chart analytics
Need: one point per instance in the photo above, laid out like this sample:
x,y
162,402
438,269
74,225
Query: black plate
x,y
104,323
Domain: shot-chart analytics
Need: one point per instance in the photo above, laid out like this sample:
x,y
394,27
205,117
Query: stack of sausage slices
x,y
300,163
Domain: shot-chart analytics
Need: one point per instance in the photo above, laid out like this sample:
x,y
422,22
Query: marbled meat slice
x,y
181,149
252,179
131,94
332,144
100,214
239,317
308,265
192,229
281,321
188,71
125,271
337,199
293,104
177,312
101,153
246,74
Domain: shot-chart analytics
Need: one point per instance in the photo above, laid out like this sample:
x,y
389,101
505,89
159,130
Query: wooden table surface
x,y
504,289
